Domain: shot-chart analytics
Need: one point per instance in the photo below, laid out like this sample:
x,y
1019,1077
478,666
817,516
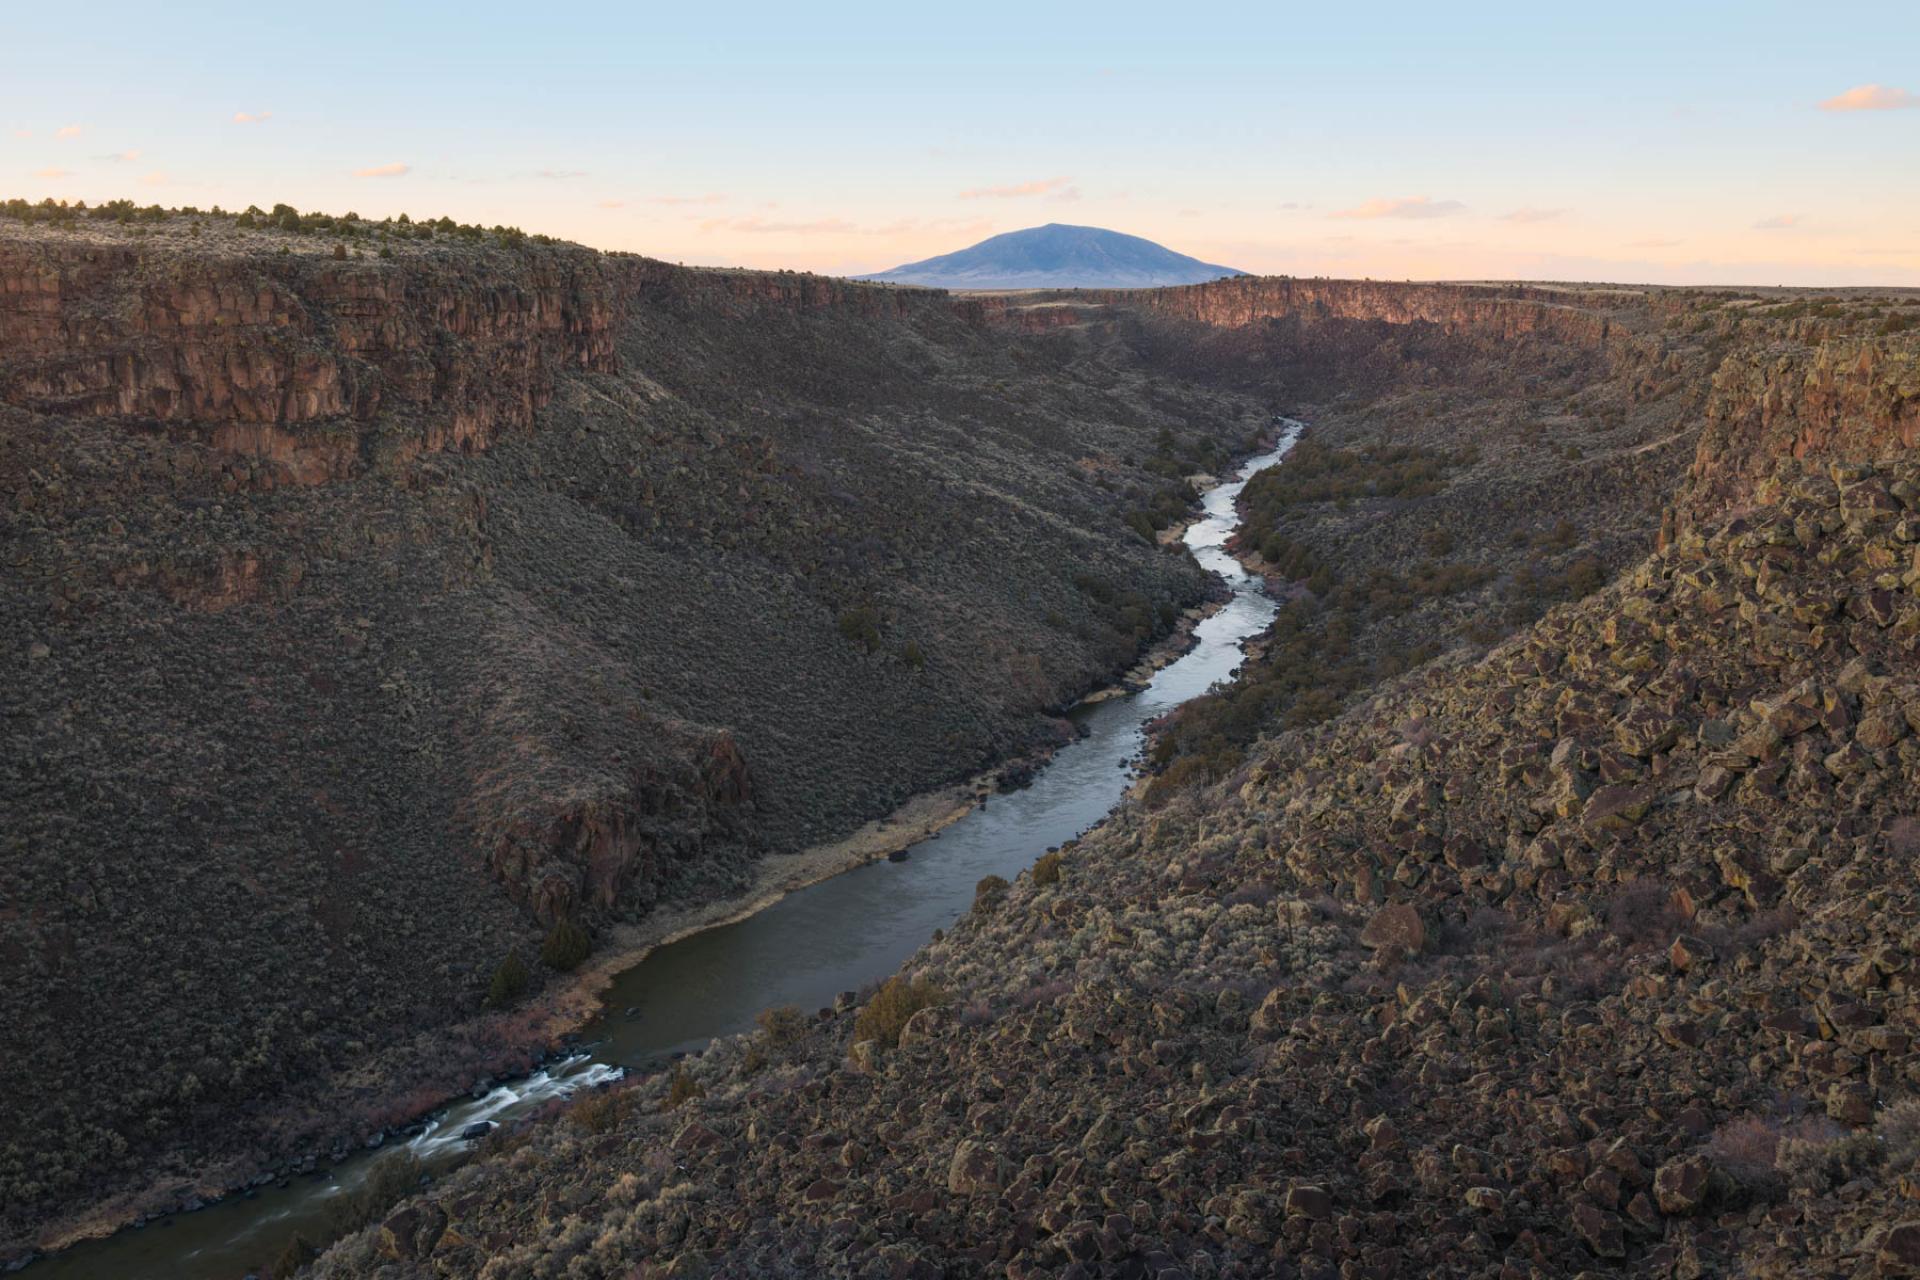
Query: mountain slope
x,y
1057,256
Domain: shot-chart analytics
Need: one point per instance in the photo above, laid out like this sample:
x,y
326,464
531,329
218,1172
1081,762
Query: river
x,y
806,948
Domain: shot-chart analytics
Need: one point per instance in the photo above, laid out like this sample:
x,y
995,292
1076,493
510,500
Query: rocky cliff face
x,y
253,354
1487,312
1823,397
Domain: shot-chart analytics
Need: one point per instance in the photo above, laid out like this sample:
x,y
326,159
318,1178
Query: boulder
x,y
1683,1186
1397,925
1899,1251
976,1169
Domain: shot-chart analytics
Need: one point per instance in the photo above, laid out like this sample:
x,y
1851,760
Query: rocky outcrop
x,y
260,354
1826,399
1488,312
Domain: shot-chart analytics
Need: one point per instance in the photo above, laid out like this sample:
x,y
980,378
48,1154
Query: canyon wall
x,y
1770,377
365,617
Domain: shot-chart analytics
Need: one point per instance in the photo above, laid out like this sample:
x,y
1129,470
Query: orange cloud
x,y
1535,215
709,198
53,173
69,131
251,117
1872,97
1779,222
154,179
384,171
613,204
122,157
1062,187
1401,207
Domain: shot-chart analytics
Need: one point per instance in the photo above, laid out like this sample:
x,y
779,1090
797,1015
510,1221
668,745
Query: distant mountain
x,y
1057,256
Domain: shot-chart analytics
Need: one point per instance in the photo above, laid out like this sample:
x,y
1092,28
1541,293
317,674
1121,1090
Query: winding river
x,y
803,950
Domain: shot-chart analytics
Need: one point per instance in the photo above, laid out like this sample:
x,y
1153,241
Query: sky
x,y
1683,142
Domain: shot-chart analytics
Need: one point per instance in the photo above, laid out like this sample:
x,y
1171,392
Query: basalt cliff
x,y
1536,902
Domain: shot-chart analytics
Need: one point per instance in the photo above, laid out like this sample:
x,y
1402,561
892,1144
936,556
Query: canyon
x,y
1534,902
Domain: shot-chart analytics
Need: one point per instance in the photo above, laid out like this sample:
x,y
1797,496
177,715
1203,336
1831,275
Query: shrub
x,y
1047,869
911,654
989,888
391,1179
683,1088
1899,1130
509,981
339,252
566,946
782,1027
602,1111
898,1000
862,626
298,1253
1826,1157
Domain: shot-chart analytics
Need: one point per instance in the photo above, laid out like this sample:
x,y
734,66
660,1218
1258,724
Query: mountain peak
x,y
1058,255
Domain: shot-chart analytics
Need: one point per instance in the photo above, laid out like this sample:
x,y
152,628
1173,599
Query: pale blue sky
x,y
1637,141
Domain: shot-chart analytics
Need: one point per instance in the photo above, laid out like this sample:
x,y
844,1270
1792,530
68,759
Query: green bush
x,y
602,1111
1047,869
861,625
298,1253
782,1027
682,1089
566,946
882,1017
989,888
509,981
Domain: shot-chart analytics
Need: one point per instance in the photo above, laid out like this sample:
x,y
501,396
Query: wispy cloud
x,y
384,171
155,179
51,172
69,131
1534,215
252,117
1872,97
559,175
1654,243
1780,222
122,157
1060,187
711,197
1401,207
762,226
23,133
755,225
613,204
